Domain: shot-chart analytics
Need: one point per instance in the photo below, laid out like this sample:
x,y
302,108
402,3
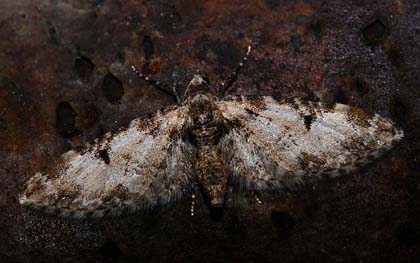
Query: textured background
x,y
65,80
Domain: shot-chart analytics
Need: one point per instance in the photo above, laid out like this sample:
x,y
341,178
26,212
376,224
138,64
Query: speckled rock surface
x,y
65,80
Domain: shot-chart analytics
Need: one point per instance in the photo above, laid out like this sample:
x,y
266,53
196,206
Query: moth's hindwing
x,y
276,145
145,165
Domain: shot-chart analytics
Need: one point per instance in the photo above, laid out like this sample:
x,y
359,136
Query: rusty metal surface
x,y
65,80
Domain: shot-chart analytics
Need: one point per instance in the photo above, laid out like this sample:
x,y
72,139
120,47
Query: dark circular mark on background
x,y
316,28
296,42
283,222
340,97
83,67
375,32
112,88
360,86
66,120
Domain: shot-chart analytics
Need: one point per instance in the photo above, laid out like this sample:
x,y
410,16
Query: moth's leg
x,y
192,203
225,85
160,85
176,93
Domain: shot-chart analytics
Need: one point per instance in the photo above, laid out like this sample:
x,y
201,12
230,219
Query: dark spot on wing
x,y
375,32
110,252
283,222
148,47
235,123
112,88
308,119
103,154
408,234
251,112
66,120
83,67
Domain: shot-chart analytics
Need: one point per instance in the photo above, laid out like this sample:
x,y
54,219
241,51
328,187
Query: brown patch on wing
x,y
119,194
65,197
34,185
307,159
258,103
359,117
54,169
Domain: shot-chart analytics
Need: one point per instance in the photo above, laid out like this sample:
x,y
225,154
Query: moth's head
x,y
198,84
199,80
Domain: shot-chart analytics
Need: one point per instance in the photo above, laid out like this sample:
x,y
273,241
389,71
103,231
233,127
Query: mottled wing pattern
x,y
275,145
145,165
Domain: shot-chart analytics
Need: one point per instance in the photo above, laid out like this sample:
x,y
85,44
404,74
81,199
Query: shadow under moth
x,y
255,143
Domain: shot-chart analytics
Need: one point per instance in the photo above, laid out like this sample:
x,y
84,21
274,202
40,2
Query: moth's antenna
x,y
225,85
257,199
160,85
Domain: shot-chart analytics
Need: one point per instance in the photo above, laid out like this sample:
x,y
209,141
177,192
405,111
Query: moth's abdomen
x,y
206,131
211,172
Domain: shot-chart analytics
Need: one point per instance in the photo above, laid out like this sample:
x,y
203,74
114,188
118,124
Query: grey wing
x,y
276,145
145,165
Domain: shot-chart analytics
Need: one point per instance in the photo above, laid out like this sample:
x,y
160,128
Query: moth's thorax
x,y
206,132
201,90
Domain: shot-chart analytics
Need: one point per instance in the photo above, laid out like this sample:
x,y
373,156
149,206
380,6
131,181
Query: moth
x,y
254,143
